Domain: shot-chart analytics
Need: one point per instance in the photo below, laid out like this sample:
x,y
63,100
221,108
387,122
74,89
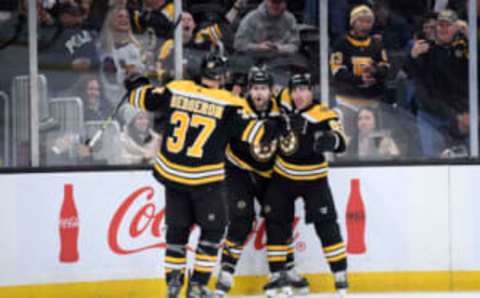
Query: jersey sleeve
x,y
149,98
245,129
334,127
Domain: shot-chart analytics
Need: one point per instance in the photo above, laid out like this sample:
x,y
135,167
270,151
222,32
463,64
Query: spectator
x,y
120,54
139,143
359,63
370,142
390,29
95,105
165,62
72,49
440,72
359,66
269,29
426,31
194,41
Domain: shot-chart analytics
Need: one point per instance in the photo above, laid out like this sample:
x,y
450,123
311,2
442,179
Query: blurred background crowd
x,y
398,70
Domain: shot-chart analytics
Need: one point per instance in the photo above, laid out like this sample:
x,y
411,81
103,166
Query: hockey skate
x,y
196,290
278,286
175,285
299,284
224,284
341,284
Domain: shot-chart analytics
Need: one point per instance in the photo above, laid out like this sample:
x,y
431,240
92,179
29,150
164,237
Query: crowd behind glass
x,y
398,69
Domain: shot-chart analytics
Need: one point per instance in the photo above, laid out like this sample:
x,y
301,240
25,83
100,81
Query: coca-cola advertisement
x,y
69,227
104,226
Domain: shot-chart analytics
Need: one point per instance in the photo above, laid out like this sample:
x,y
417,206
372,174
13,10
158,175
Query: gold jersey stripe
x,y
301,167
298,177
337,258
199,169
206,258
244,165
175,260
333,247
277,247
277,259
189,181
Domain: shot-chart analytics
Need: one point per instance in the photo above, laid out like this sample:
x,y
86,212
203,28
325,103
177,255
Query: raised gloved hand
x,y
274,128
296,123
325,141
134,81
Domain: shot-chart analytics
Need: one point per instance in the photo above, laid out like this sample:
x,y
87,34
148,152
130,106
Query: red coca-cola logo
x,y
147,218
141,216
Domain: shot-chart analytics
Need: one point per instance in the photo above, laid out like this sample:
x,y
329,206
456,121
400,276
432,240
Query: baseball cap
x,y
447,15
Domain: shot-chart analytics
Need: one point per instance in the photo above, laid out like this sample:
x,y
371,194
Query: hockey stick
x,y
98,134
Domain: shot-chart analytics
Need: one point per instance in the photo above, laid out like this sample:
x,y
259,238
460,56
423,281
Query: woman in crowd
x,y
95,106
370,142
139,143
120,53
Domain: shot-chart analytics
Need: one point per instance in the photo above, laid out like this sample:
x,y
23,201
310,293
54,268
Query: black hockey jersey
x,y
199,124
295,157
349,57
257,158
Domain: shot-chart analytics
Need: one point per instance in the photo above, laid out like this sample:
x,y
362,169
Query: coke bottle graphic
x,y
355,220
69,228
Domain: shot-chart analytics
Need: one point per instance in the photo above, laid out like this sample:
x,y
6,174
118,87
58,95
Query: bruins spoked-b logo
x,y
289,144
263,153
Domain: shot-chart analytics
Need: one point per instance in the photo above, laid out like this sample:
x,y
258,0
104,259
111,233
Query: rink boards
x,y
422,234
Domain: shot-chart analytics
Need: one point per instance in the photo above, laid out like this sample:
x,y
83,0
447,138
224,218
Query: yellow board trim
x,y
252,285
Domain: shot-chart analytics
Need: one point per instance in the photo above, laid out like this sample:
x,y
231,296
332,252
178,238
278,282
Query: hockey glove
x,y
325,141
134,81
296,123
274,128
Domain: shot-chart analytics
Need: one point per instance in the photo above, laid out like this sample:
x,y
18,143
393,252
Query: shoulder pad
x,y
319,113
193,90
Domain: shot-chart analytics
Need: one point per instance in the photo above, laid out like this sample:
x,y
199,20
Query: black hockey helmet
x,y
259,76
299,79
213,66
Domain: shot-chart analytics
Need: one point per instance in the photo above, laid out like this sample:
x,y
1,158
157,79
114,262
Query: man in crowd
x,y
440,72
268,31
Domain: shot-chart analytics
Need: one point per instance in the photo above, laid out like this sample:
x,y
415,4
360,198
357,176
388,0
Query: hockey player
x,y
249,169
199,120
301,171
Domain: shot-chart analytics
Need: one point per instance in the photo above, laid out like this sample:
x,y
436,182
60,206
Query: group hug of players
x,y
219,153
